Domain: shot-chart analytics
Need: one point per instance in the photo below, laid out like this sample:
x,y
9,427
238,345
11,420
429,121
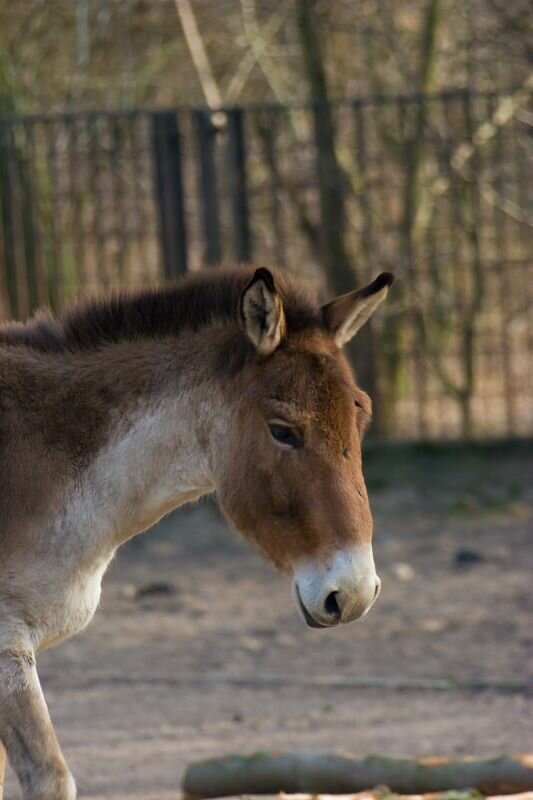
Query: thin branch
x,y
256,40
504,112
395,43
508,108
198,54
250,59
506,205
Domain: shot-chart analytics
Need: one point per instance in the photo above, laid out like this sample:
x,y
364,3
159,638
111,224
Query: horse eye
x,y
284,435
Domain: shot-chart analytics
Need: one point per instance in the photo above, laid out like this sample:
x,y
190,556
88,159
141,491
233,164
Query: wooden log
x,y
270,773
382,793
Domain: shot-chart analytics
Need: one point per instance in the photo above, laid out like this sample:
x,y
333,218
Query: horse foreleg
x,y
27,733
2,769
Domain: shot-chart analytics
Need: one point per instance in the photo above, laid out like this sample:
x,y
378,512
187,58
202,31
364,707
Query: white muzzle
x,y
341,590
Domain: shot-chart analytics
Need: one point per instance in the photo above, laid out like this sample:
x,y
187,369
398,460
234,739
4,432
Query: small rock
x,y
432,625
128,591
467,558
403,571
155,589
251,644
284,640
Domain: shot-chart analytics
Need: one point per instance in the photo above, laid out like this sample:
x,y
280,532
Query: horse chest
x,y
73,609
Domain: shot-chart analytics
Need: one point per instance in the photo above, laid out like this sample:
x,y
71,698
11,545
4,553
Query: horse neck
x,y
166,444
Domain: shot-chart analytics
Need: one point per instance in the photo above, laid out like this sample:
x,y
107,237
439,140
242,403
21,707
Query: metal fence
x,y
437,189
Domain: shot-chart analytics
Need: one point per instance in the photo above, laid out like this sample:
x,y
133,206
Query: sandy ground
x,y
197,650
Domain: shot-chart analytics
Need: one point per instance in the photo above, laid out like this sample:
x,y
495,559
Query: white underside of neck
x,y
160,460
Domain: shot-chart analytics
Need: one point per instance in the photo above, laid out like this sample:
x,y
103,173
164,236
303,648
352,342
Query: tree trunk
x,y
330,183
341,275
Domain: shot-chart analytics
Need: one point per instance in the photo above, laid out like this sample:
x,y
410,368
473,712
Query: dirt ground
x,y
198,651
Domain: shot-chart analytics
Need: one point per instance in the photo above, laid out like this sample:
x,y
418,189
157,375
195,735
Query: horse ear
x,y
262,312
346,314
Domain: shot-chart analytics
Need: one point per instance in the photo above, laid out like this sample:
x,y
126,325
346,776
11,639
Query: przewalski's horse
x,y
123,409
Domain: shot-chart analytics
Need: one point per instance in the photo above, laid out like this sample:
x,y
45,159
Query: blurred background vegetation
x,y
87,54
140,139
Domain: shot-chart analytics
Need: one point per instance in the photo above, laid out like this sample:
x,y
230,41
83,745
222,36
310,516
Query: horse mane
x,y
198,300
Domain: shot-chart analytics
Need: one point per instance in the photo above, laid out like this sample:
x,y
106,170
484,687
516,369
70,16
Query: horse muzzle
x,y
340,591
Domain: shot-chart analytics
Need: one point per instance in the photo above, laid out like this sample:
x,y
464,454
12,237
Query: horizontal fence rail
x,y
437,189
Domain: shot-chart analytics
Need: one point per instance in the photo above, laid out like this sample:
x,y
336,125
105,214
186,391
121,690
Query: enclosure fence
x,y
437,189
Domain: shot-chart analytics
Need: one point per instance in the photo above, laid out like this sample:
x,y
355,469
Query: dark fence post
x,y
207,188
6,217
19,239
169,191
237,185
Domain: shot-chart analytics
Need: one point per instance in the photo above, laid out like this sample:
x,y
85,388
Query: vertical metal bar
x,y
27,234
77,276
412,148
5,311
6,211
55,268
166,147
456,205
141,162
34,191
474,236
386,195
443,270
120,221
366,362
94,146
523,241
207,187
15,168
394,359
364,196
267,127
236,159
505,281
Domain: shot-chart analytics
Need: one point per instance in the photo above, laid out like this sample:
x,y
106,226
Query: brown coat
x,y
122,409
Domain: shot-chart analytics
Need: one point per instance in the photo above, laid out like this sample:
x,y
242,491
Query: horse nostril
x,y
331,606
378,588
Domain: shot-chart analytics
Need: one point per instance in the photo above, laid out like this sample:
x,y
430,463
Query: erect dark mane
x,y
196,301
